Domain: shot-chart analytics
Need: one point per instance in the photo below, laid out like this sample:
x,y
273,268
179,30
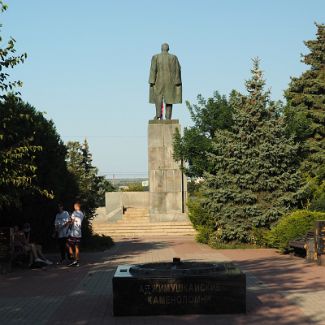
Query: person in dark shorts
x,y
74,238
61,224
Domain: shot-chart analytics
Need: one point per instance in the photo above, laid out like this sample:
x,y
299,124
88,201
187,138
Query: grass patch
x,y
232,245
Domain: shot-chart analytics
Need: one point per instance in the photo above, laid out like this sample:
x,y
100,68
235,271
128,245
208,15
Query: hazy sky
x,y
88,61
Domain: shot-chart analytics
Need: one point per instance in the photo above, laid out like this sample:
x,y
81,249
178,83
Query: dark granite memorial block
x,y
179,288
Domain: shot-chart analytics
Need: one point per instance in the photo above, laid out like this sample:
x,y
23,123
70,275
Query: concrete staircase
x,y
136,223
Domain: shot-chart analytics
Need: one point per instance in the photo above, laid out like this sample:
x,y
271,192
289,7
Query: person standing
x,y
61,224
74,238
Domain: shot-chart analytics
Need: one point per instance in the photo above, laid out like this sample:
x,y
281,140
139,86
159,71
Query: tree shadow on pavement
x,y
285,273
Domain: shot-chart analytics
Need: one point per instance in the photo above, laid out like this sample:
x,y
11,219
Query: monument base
x,y
178,288
167,184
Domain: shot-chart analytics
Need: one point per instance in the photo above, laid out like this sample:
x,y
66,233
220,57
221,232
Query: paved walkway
x,y
281,289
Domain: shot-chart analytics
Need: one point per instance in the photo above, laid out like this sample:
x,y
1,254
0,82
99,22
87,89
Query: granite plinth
x,y
167,184
178,288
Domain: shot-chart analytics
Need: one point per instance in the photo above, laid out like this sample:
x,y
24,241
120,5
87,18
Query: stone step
x,y
158,223
134,217
120,230
141,226
143,231
135,210
134,222
129,216
149,234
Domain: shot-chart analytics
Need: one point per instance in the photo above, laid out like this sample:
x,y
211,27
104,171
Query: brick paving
x,y
282,289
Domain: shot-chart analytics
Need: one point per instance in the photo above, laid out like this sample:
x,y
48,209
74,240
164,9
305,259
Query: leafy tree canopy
x,y
21,124
17,163
8,60
208,117
33,181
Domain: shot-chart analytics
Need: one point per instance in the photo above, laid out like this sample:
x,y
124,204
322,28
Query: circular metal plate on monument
x,y
168,269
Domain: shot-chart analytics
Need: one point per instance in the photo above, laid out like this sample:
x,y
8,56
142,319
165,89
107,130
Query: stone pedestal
x,y
167,184
178,288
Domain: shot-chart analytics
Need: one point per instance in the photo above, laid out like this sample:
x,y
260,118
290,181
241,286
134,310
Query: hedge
x,y
292,226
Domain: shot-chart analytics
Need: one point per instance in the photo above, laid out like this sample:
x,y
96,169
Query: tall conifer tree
x,y
305,113
255,178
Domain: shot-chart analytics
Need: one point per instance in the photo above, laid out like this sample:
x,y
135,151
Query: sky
x,y
88,61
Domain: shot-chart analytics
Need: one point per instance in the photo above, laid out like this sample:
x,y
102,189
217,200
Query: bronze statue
x,y
165,82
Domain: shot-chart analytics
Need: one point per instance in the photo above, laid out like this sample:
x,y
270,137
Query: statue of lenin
x,y
165,82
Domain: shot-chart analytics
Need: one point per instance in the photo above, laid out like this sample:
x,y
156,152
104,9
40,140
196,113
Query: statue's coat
x,y
165,79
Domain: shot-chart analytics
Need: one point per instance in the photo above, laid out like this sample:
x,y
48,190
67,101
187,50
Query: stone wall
x,y
116,201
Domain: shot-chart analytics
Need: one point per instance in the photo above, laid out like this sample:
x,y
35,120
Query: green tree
x,y
79,162
305,113
92,187
8,60
254,179
134,187
17,165
50,180
208,117
18,152
103,185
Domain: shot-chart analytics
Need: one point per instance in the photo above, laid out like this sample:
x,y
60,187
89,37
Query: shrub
x,y
197,212
292,226
204,234
97,243
257,237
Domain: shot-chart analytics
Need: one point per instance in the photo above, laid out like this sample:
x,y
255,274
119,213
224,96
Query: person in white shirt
x,y
74,238
61,224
